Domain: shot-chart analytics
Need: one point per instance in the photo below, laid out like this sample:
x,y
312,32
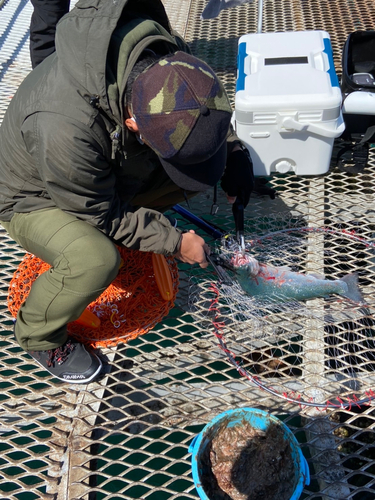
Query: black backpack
x,y
358,76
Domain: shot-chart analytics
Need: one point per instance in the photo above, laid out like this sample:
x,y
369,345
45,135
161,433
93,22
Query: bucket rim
x,y
304,474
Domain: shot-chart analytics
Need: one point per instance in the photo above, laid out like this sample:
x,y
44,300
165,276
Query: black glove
x,y
261,188
238,177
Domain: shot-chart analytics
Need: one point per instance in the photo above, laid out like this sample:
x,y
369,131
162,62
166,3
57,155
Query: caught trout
x,y
281,284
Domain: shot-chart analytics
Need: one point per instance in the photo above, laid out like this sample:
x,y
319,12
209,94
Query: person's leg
x,y
45,16
84,262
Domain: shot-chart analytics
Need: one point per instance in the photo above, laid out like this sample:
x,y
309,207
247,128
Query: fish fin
x,y
354,294
317,276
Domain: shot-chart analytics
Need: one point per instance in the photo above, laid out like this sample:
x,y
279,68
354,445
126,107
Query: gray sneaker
x,y
70,363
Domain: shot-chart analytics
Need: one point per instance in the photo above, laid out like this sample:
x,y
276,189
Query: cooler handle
x,y
291,124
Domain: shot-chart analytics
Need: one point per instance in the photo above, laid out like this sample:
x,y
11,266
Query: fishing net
x,y
320,352
131,306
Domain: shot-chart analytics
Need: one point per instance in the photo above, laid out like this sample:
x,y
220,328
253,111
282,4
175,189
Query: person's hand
x,y
193,249
238,177
261,188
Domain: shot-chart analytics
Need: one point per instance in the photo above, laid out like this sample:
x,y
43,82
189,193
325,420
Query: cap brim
x,y
198,176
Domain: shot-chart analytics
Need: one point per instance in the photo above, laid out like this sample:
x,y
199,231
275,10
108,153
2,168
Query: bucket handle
x,y
289,124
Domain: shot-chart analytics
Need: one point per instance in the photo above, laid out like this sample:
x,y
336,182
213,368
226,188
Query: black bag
x,y
358,62
358,75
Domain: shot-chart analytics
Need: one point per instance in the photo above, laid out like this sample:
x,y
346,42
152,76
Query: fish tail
x,y
354,294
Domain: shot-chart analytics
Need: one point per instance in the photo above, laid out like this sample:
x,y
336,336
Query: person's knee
x,y
91,265
107,263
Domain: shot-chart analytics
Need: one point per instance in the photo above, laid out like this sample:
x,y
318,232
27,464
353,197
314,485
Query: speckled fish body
x,y
280,284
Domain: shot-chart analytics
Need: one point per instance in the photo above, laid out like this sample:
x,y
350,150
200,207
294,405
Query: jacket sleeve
x,y
232,140
182,45
74,167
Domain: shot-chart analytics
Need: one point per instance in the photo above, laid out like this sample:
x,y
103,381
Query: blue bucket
x,y
258,419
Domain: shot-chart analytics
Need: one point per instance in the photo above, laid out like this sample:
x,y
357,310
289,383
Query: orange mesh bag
x,y
137,299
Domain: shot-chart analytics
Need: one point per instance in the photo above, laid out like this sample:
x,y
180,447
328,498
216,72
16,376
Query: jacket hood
x,y
83,40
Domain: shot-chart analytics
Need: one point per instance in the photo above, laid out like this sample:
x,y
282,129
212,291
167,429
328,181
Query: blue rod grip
x,y
212,231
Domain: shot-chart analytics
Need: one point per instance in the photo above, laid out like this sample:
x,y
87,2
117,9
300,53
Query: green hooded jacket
x,y
63,143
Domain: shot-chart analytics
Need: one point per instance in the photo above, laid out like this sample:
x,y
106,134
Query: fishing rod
x,y
208,228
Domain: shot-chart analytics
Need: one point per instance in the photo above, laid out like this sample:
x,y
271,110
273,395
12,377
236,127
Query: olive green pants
x,y
83,263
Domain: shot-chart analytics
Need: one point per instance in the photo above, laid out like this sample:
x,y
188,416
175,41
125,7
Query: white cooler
x,y
288,101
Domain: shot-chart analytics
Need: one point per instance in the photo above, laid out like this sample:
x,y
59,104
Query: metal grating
x,y
127,435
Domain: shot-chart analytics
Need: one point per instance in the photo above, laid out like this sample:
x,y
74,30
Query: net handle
x,y
88,319
163,276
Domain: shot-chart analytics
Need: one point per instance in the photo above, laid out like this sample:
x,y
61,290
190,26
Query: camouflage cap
x,y
183,114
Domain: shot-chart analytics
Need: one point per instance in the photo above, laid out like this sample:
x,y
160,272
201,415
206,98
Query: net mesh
x,y
131,306
319,352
